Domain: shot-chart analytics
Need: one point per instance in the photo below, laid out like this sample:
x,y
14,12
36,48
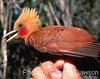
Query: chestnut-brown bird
x,y
54,39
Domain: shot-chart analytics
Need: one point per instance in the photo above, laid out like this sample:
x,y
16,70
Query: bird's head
x,y
27,23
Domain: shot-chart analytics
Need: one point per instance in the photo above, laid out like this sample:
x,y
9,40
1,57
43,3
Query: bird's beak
x,y
12,37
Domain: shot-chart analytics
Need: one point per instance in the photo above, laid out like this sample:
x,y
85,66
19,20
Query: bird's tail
x,y
92,50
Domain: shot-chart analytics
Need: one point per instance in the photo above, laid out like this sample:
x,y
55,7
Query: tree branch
x,y
3,43
53,13
66,16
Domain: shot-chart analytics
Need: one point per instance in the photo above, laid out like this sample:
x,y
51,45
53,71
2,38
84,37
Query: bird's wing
x,y
72,41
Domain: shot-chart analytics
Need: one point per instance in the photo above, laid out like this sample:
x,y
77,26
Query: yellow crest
x,y
28,17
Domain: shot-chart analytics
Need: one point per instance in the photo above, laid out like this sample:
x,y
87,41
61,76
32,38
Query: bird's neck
x,y
31,32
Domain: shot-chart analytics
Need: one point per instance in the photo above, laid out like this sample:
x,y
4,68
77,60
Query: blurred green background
x,y
82,13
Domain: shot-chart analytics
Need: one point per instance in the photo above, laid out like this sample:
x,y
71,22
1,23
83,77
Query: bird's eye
x,y
20,25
